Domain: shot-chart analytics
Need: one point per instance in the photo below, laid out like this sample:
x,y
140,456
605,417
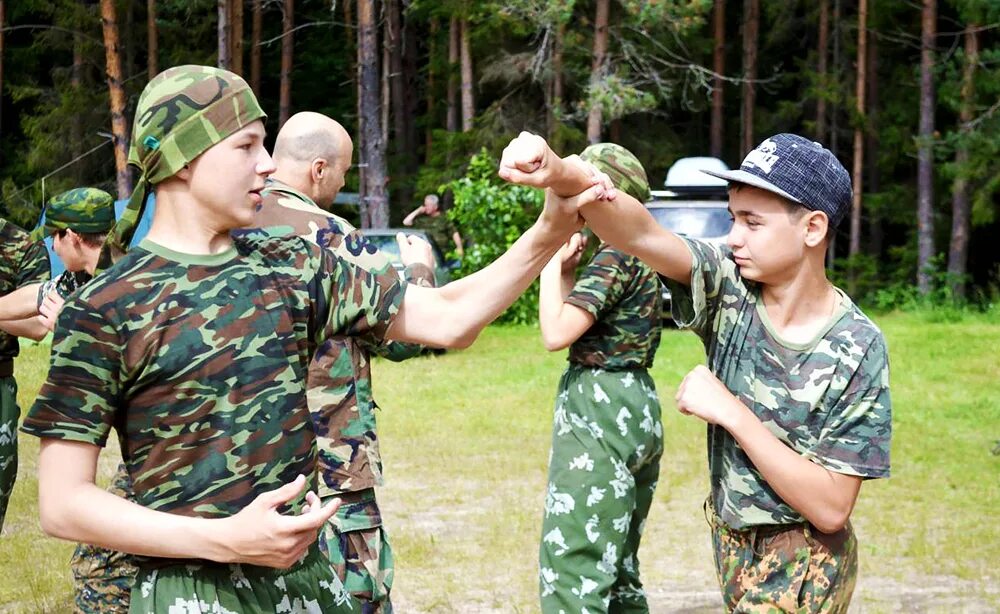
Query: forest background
x,y
906,93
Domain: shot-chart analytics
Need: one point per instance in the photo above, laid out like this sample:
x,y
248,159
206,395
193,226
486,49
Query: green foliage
x,y
491,215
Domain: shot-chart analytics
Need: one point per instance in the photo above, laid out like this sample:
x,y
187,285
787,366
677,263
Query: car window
x,y
696,222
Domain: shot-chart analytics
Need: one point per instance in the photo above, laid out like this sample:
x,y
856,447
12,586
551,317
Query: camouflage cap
x,y
621,165
86,210
182,112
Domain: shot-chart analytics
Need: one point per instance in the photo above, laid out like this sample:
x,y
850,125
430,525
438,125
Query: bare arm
x,y
459,247
412,215
561,323
20,304
72,507
30,328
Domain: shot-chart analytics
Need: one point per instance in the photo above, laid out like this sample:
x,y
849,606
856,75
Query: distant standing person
x,y
430,218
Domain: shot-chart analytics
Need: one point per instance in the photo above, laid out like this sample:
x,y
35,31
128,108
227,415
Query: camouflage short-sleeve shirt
x,y
439,228
23,261
827,399
625,298
339,384
200,363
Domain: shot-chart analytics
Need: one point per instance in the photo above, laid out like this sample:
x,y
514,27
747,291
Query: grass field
x,y
465,438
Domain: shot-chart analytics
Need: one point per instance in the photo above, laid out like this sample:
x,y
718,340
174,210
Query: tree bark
x,y
119,127
958,249
925,149
394,45
128,68
224,29
595,116
873,179
374,205
152,41
236,39
385,106
751,26
430,93
255,28
822,50
556,87
349,44
859,131
287,42
76,130
454,35
834,121
468,99
719,66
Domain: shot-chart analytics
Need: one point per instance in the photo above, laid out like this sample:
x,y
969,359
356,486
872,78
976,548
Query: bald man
x,y
312,154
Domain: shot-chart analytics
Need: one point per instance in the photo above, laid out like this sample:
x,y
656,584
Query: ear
x,y
185,173
816,224
74,238
318,169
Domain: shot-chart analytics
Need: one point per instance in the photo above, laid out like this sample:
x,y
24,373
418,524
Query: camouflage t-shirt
x,y
827,399
200,364
23,261
65,284
439,228
624,296
339,385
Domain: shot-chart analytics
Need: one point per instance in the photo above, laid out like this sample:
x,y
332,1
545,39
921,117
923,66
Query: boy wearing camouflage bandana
x,y
23,262
607,438
195,347
796,392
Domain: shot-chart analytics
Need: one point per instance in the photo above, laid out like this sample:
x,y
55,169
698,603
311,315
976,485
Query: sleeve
x,y
34,266
601,284
80,395
693,306
420,275
857,437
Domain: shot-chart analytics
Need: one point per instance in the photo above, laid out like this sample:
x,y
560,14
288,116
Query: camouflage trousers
x,y
102,578
189,588
607,442
784,568
358,548
9,414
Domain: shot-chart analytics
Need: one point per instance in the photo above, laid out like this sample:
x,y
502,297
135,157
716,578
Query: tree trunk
x,y
468,100
394,46
236,40
874,245
430,93
822,50
595,117
129,67
76,130
287,42
152,41
385,106
925,149
556,98
350,46
119,127
751,26
834,121
454,34
255,28
719,66
859,131
958,250
374,205
224,30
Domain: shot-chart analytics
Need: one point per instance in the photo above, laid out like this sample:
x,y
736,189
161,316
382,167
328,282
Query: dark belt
x,y
7,368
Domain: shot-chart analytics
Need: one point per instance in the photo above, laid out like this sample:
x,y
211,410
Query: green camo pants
x,y
359,550
784,568
607,442
9,414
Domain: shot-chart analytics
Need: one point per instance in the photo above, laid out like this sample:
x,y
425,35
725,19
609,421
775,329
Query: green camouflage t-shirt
x,y
827,399
339,385
23,261
439,228
624,296
200,363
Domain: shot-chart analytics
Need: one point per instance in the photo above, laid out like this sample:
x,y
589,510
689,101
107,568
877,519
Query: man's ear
x,y
816,227
318,169
184,174
74,238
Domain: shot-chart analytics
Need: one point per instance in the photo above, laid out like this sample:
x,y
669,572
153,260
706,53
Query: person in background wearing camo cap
x,y
195,345
796,391
607,437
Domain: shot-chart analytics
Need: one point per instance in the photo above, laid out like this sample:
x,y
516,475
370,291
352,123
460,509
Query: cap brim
x,y
741,176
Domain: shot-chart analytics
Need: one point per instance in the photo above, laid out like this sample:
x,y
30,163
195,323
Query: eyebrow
x,y
742,213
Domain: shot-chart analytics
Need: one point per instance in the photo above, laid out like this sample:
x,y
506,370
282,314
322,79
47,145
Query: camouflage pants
x,y
9,414
102,578
784,568
195,588
607,442
359,550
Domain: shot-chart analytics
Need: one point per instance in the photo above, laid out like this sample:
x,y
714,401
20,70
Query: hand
x,y
703,395
596,175
570,253
528,160
49,309
259,535
414,250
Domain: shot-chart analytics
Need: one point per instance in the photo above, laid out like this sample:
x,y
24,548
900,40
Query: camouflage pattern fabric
x,y
86,210
784,568
624,296
102,578
23,261
65,284
439,228
827,399
359,550
621,165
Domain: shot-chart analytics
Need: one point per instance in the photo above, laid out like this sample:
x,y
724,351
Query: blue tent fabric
x,y
56,265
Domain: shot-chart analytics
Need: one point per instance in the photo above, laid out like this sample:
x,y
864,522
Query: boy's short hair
x,y
90,239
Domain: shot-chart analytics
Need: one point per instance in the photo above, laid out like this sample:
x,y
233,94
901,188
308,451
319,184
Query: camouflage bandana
x,y
181,113
86,210
621,165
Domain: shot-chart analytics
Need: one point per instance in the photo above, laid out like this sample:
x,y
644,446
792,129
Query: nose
x,y
735,237
265,164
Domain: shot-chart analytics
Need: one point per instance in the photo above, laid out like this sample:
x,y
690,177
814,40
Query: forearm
x,y
31,328
412,215
550,303
20,304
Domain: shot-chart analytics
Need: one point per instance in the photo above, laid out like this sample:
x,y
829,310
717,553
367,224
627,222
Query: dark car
x,y
385,240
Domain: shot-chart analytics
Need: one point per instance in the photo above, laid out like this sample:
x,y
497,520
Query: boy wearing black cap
x,y
796,392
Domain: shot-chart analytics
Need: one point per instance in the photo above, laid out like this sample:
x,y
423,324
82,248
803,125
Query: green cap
x,y
181,113
87,210
621,165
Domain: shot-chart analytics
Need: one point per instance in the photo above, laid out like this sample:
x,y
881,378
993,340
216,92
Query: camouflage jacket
x,y
827,399
624,296
23,261
200,363
439,228
339,386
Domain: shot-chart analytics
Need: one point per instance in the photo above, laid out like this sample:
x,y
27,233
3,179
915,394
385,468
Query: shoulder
x,y
274,250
